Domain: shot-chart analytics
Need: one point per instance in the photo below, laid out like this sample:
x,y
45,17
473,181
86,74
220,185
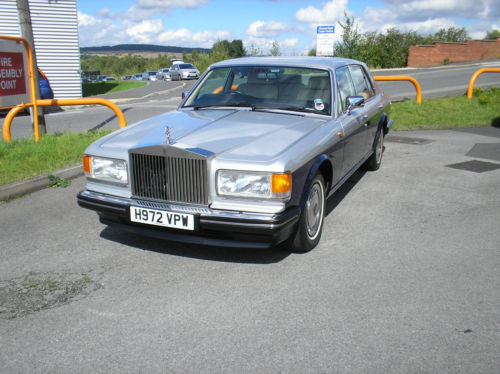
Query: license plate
x,y
162,218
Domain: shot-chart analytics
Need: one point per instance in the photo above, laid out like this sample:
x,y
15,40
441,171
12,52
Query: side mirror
x,y
354,102
184,94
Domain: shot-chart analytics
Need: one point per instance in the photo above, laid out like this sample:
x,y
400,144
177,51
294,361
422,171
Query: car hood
x,y
229,134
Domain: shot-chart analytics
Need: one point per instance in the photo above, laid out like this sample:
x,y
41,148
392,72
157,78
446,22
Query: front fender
x,y
323,165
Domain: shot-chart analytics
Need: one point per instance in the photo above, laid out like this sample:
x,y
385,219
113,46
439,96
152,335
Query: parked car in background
x,y
249,157
184,71
175,61
163,74
149,76
45,89
109,79
137,77
126,77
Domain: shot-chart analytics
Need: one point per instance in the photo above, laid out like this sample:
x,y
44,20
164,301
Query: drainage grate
x,y
491,151
475,166
407,140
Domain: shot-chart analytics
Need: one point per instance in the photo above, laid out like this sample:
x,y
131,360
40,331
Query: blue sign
x,y
325,30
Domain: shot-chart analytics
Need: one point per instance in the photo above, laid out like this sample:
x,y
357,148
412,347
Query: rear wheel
x,y
375,160
310,224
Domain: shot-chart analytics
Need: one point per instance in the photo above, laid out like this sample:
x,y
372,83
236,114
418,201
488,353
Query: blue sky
x,y
200,23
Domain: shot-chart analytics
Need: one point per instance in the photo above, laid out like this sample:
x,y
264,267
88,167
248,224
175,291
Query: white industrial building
x,y
55,32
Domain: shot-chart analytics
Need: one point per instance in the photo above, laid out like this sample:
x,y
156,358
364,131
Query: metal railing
x,y
477,74
389,78
31,74
59,102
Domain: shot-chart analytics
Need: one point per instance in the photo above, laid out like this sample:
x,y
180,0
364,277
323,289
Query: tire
x,y
375,160
310,225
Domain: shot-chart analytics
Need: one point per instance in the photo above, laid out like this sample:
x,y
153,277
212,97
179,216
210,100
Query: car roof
x,y
295,61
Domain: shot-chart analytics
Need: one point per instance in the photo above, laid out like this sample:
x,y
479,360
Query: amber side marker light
x,y
282,183
86,164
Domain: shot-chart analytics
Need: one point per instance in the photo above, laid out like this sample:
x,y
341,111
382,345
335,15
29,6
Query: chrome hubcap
x,y
380,147
314,210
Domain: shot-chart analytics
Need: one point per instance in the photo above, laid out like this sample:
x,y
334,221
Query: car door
x,y
371,109
354,137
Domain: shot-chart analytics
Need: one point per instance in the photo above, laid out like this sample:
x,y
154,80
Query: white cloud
x,y
86,20
171,3
426,17
261,29
185,38
331,12
290,43
144,31
424,9
149,8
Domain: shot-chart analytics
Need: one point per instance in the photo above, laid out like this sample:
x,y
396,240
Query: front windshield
x,y
186,66
265,87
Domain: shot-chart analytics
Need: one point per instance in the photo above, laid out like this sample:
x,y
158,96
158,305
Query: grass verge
x,y
22,159
483,109
100,88
25,158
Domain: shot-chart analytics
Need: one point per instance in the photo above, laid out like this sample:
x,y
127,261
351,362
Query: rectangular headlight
x,y
253,184
106,169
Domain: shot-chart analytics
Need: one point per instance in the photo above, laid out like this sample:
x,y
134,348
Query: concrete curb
x,y
24,187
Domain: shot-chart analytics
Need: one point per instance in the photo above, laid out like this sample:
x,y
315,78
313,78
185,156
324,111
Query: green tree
x,y
452,35
494,34
254,51
220,51
275,49
236,49
312,52
349,45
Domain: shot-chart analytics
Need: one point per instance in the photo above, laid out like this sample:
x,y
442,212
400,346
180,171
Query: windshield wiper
x,y
289,108
241,105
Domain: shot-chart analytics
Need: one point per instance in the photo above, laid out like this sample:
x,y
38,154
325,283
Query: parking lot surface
x,y
406,279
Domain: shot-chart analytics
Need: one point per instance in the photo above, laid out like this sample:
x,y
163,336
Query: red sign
x,y
12,74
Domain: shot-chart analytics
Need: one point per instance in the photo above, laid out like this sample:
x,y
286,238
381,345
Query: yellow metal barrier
x,y
31,74
402,78
477,74
58,102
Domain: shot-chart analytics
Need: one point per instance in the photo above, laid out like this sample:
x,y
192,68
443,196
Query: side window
x,y
345,86
361,82
212,85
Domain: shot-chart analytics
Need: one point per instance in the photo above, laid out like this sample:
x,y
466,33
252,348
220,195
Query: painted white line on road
x,y
64,112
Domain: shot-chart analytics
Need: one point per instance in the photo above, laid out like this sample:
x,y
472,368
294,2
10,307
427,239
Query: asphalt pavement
x,y
406,279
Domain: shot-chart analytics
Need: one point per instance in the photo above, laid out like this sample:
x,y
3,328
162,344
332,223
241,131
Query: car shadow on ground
x,y
222,254
201,252
339,195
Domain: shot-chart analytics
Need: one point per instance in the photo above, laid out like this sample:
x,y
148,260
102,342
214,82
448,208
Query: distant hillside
x,y
140,48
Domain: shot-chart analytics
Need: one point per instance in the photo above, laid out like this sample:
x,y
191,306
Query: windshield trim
x,y
226,86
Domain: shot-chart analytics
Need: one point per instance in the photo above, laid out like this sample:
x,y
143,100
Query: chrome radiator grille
x,y
165,178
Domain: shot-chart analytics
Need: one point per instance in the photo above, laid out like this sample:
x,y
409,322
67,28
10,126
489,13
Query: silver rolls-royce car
x,y
248,158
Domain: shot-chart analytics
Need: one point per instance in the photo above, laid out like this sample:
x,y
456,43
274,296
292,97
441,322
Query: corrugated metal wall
x,y
55,30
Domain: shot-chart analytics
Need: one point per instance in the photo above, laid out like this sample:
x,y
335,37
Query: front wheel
x,y
310,224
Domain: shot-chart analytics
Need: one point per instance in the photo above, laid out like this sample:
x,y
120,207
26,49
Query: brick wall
x,y
472,50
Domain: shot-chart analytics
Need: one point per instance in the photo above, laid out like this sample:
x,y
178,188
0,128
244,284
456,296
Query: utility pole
x,y
23,9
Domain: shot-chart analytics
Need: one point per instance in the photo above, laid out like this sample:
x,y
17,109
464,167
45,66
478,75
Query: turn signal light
x,y
282,183
86,164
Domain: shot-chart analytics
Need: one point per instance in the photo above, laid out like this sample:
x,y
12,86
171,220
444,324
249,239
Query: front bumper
x,y
213,227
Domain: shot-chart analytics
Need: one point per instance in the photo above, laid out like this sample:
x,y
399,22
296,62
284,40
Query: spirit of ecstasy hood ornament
x,y
168,136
